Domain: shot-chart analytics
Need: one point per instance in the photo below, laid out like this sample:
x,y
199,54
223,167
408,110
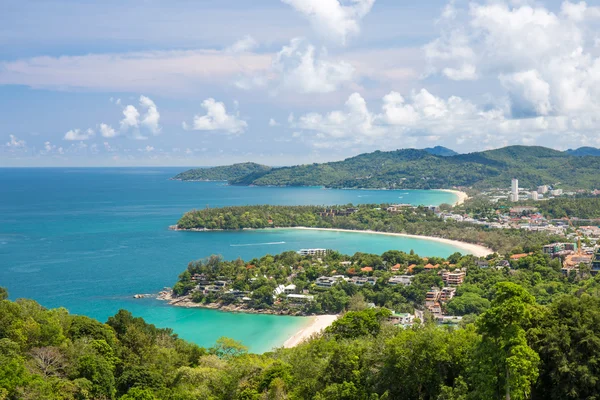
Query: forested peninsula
x,y
420,221
422,169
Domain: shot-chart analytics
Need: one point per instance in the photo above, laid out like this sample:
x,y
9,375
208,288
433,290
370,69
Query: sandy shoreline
x,y
316,325
461,196
475,249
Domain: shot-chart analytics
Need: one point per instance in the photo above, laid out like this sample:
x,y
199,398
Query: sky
x,y
282,82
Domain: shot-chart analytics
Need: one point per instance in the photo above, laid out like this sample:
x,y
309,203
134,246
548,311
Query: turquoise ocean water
x,y
89,239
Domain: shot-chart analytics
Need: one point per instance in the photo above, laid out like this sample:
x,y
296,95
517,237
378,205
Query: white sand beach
x,y
475,249
316,325
462,196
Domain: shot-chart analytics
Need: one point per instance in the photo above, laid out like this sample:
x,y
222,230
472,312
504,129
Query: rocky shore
x,y
186,301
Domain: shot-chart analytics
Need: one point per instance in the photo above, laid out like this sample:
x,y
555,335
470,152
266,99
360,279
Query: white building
x,y
313,252
556,192
289,289
514,190
542,189
405,280
534,196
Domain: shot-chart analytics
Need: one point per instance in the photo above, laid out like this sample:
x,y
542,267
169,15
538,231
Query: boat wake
x,y
256,244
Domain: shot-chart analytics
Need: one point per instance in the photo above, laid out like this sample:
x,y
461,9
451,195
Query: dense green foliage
x,y
417,221
223,173
580,207
418,169
516,349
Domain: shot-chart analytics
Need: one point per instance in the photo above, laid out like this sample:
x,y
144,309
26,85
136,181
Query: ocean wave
x,y
256,244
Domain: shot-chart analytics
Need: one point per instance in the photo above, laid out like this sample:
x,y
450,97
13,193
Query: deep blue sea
x,y
88,239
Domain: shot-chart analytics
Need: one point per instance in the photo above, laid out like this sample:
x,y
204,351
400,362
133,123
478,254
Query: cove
x,y
88,239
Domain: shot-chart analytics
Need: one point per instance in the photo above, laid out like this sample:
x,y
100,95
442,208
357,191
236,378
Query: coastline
x,y
475,249
316,325
461,196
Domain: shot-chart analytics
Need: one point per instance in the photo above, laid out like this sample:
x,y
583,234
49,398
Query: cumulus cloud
x,y
300,68
423,117
273,123
544,60
15,143
336,20
131,118
134,120
79,135
107,131
244,45
152,117
217,119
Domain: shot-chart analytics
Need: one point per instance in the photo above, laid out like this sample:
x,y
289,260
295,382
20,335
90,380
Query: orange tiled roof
x,y
396,267
518,256
367,269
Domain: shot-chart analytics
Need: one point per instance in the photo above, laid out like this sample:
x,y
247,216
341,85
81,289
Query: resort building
x,y
314,252
289,289
405,280
363,280
447,294
404,319
329,281
455,278
300,298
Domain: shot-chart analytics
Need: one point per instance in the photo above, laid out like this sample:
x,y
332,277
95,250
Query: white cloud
x,y
150,120
149,149
217,119
300,68
107,131
15,143
545,61
529,93
273,123
336,20
244,45
152,117
151,71
404,122
79,135
132,118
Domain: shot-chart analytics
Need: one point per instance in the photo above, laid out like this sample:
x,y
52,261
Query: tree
x,y
507,365
468,303
3,293
228,348
137,393
358,323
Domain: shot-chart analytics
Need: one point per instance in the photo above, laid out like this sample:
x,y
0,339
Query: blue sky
x,y
209,82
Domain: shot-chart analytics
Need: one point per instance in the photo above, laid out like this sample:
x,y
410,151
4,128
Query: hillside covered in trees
x,y
419,169
517,349
225,173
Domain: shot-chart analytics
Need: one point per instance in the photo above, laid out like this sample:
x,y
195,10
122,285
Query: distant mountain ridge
x,y
419,169
584,151
440,151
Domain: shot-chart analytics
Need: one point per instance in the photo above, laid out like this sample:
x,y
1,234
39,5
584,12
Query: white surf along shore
x,y
475,249
316,325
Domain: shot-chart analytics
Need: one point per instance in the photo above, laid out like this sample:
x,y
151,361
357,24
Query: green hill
x,y
418,169
224,173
